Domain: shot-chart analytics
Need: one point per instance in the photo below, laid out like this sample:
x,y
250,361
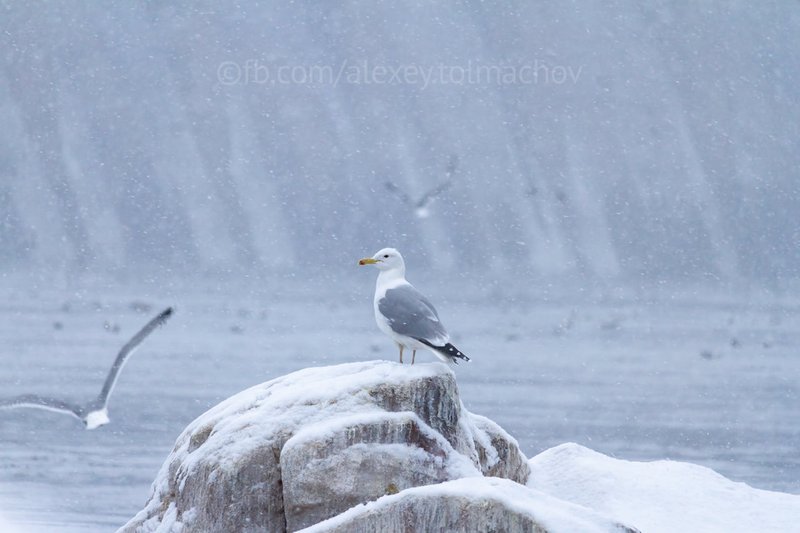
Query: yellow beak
x,y
368,261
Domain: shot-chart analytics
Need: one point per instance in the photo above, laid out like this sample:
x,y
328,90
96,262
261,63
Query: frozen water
x,y
711,381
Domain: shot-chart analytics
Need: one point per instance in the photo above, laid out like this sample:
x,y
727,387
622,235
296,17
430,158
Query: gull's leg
x,y
401,353
413,356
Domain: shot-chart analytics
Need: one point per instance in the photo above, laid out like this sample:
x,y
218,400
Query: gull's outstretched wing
x,y
433,193
42,402
399,192
126,352
452,166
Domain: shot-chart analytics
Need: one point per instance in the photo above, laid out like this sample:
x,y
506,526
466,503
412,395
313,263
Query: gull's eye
x,y
386,256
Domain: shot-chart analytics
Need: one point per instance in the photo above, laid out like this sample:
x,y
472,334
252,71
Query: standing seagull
x,y
403,313
95,413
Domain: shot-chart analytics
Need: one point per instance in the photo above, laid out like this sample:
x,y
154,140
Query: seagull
x,y
421,206
403,313
95,413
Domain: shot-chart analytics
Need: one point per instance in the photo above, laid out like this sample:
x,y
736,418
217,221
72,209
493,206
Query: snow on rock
x,y
309,445
661,496
469,504
498,451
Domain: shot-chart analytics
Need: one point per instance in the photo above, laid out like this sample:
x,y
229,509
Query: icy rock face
x,y
464,505
361,461
308,446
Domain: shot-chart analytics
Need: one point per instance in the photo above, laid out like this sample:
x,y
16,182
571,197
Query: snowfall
x,y
632,409
616,249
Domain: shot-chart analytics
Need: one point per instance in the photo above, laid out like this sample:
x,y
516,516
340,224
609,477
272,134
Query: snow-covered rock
x,y
661,496
377,446
310,445
470,504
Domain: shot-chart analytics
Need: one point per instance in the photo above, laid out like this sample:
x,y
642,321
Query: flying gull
x,y
403,313
420,206
95,413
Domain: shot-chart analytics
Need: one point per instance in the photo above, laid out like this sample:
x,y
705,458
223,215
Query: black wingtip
x,y
165,314
452,352
448,350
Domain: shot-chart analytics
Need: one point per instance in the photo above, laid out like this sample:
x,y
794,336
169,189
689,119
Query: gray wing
x,y
126,352
42,402
395,189
409,313
452,165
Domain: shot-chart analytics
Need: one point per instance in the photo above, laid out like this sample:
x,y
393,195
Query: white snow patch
x,y
478,427
295,401
661,496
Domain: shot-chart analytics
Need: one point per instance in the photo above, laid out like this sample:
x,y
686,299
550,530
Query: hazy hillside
x,y
600,138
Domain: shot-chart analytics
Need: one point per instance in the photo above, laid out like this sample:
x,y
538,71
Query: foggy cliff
x,y
604,139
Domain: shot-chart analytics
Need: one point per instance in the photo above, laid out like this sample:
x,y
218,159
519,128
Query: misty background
x,y
623,142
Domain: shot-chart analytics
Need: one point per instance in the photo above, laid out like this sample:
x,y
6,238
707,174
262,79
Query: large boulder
x,y
308,446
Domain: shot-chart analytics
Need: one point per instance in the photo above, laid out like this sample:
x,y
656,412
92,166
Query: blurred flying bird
x,y
95,413
403,313
421,206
